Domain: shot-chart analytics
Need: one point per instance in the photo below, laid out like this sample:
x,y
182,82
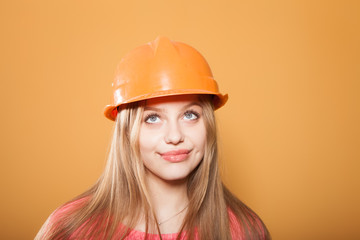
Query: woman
x,y
162,177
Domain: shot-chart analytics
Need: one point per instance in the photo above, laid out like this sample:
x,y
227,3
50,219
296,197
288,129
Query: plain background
x,y
289,134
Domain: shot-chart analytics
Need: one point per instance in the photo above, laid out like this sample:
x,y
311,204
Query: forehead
x,y
177,99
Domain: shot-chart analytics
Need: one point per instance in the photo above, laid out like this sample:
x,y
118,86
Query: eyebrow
x,y
147,108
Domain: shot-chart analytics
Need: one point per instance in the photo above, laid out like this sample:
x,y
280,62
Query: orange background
x,y
289,134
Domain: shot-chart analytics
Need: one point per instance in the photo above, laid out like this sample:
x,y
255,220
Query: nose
x,y
174,134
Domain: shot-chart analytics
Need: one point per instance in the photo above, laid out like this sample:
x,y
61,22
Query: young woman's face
x,y
172,136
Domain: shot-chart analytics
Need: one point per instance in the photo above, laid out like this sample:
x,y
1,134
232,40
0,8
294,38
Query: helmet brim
x,y
110,111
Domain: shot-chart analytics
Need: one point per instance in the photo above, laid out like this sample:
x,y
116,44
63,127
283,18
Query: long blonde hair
x,y
111,207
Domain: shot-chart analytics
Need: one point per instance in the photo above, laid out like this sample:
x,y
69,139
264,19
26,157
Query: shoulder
x,y
248,226
70,206
67,209
55,218
237,232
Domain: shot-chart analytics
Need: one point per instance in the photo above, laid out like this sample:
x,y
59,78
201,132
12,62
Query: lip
x,y
176,155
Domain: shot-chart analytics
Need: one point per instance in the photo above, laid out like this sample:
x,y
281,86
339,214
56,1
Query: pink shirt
x,y
138,235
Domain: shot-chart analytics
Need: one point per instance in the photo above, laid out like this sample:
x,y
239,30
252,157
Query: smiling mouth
x,y
176,155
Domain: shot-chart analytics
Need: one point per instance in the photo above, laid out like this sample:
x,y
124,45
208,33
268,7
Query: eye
x,y
152,118
191,115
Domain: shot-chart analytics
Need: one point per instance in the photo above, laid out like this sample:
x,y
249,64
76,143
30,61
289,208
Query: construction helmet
x,y
162,68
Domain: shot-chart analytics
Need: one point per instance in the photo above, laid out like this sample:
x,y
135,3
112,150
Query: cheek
x,y
148,140
198,137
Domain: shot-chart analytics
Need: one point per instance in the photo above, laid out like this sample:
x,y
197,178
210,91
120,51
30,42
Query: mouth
x,y
176,155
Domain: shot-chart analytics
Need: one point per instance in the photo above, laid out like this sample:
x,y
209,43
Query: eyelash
x,y
148,116
192,112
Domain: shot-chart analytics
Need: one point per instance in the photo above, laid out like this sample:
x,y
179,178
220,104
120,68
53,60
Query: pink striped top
x,y
138,235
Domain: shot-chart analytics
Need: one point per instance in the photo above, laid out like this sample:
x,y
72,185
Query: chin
x,y
173,176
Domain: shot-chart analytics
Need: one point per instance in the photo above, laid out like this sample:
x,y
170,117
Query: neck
x,y
168,198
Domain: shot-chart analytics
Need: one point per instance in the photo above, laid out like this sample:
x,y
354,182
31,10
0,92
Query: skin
x,y
168,124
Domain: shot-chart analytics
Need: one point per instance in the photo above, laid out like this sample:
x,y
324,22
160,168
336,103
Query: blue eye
x,y
191,115
152,118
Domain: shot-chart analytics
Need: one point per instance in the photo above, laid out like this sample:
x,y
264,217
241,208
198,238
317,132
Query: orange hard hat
x,y
162,68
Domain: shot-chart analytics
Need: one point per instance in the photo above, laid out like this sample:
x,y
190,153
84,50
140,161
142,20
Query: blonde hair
x,y
111,207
